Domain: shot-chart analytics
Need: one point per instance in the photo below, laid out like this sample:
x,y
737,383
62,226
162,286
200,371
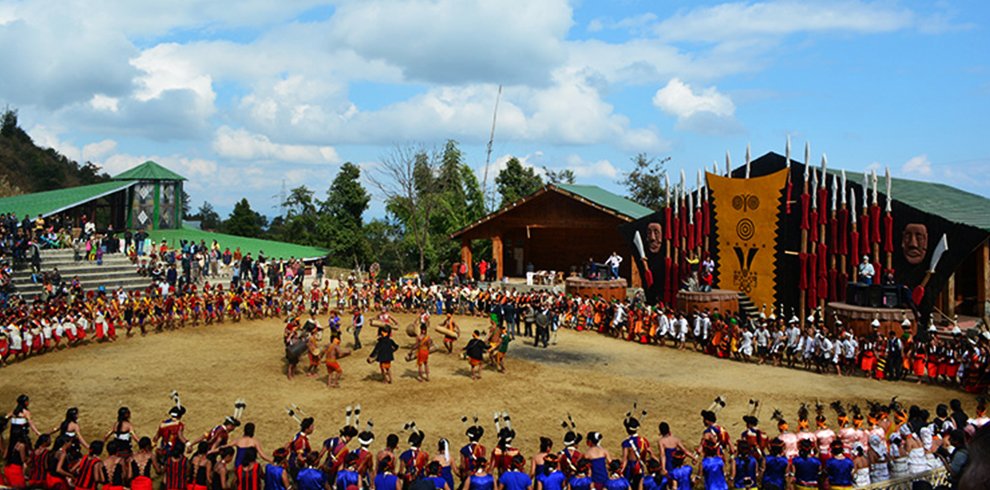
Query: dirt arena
x,y
595,378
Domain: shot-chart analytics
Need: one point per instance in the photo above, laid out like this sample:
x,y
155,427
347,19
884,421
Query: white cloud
x,y
633,23
584,169
458,41
918,166
241,145
98,149
166,69
103,103
746,20
706,110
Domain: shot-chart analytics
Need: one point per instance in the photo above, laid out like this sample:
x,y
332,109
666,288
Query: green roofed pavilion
x,y
271,248
53,202
148,171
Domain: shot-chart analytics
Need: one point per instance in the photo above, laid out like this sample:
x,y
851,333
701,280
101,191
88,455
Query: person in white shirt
x,y
866,271
613,265
763,342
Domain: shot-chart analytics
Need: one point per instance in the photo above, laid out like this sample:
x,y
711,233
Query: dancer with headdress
x,y
365,464
803,434
481,479
335,448
299,447
470,452
413,461
823,434
569,456
218,435
713,431
171,430
635,449
756,438
503,452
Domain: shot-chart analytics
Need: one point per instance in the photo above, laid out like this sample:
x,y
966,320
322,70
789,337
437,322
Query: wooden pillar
x,y
983,280
950,296
466,257
498,257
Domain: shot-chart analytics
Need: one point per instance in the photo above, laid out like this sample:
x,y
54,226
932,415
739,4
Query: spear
x,y
843,243
699,228
833,225
790,184
668,237
864,224
875,227
689,240
813,239
728,164
707,213
805,224
747,160
853,237
674,262
888,221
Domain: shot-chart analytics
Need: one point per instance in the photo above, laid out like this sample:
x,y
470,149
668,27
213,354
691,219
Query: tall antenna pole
x,y
491,139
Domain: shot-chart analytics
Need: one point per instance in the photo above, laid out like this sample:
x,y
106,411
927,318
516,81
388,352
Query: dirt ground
x,y
594,378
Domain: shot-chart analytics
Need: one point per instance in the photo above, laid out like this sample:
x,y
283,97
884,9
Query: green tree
x,y
342,218
209,218
645,183
299,224
244,221
565,176
8,127
515,181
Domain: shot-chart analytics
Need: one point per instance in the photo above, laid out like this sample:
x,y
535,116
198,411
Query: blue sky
x,y
241,96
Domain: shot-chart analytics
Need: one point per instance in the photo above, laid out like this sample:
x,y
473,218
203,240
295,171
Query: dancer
x,y
635,449
384,353
470,452
475,352
422,352
598,459
335,352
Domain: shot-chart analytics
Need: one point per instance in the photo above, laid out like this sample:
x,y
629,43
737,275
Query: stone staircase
x,y
116,271
747,307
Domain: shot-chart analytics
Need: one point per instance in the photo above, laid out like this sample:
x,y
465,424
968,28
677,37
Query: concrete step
x,y
102,275
65,261
129,284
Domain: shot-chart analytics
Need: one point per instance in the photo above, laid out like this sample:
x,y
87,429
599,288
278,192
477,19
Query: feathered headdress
x,y
235,419
178,410
416,436
752,418
474,432
717,405
631,423
505,433
571,436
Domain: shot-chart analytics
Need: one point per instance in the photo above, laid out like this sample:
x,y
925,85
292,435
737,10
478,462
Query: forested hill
x,y
26,168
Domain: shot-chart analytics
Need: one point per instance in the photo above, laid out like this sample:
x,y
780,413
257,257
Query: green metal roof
x,y
953,204
271,248
606,199
48,203
148,171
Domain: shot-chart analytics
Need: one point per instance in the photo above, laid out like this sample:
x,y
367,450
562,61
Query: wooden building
x,y
557,228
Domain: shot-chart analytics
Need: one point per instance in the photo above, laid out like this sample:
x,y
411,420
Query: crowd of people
x,y
850,448
262,288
